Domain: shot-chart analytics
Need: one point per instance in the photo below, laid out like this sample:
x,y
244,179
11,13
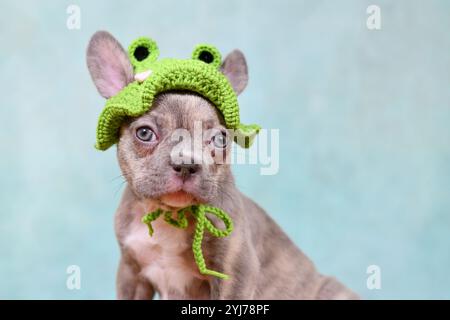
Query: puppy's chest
x,y
165,258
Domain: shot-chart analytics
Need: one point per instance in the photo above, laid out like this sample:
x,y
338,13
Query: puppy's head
x,y
177,152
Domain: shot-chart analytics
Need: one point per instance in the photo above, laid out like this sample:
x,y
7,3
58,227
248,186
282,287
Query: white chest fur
x,y
166,259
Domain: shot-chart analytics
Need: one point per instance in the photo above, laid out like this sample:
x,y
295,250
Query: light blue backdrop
x,y
364,120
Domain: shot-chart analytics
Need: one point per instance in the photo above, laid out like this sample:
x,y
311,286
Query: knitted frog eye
x,y
208,54
142,53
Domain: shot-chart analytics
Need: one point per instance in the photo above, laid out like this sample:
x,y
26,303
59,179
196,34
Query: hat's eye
x,y
206,56
141,53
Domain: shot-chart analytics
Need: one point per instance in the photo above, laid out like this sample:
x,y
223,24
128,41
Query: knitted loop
x,y
148,218
201,215
199,212
181,221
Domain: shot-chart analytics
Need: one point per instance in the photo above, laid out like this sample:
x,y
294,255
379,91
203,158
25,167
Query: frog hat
x,y
200,74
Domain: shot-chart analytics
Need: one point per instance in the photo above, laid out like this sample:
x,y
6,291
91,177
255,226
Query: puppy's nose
x,y
185,170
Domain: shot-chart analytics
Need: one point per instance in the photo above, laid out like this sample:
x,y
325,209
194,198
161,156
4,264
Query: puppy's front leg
x,y
131,286
242,284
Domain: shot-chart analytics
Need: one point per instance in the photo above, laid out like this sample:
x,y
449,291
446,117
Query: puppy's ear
x,y
108,64
234,67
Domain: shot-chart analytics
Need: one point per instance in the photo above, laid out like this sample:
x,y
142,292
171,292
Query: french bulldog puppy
x,y
262,262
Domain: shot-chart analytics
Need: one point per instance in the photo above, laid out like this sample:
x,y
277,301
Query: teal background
x,y
364,124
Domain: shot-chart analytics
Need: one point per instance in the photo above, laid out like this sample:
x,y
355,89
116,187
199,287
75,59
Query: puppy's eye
x,y
220,140
145,134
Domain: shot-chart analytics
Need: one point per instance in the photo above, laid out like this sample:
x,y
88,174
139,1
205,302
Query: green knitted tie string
x,y
199,212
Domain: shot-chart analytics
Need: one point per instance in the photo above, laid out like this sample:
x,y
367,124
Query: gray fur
x,y
108,64
235,69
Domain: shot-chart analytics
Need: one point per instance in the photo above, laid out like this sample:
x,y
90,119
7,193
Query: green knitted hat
x,y
200,74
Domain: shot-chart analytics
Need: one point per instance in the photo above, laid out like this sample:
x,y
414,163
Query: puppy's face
x,y
178,151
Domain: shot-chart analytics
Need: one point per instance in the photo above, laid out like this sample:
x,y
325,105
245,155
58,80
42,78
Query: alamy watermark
x,y
373,281
200,147
373,21
73,281
73,21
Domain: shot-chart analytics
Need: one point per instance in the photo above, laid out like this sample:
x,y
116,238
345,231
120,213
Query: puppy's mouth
x,y
177,200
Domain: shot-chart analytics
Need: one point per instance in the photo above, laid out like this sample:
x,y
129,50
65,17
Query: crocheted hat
x,y
200,74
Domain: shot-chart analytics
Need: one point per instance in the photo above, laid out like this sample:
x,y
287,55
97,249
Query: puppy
x,y
263,263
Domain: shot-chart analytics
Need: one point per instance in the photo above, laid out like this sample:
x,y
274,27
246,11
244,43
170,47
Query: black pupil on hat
x,y
206,56
140,53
